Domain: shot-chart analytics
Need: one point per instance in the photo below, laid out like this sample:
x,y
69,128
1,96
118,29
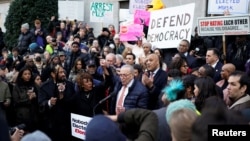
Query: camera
x,y
196,50
12,130
38,59
149,6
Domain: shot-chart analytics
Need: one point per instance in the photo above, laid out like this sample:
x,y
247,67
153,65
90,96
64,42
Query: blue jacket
x,y
137,96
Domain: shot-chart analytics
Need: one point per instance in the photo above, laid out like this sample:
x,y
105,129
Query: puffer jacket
x,y
137,96
24,40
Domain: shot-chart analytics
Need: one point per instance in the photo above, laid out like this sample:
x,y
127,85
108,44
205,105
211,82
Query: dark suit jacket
x,y
56,119
160,81
217,69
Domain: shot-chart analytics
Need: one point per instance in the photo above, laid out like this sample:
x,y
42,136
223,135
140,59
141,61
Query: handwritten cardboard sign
x,y
101,12
233,6
138,5
131,32
142,17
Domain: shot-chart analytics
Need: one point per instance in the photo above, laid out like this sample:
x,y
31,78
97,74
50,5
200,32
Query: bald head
x,y
152,62
226,70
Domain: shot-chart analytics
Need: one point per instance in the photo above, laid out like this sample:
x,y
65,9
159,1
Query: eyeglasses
x,y
124,75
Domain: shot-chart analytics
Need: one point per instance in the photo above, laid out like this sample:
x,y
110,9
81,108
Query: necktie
x,y
120,100
151,77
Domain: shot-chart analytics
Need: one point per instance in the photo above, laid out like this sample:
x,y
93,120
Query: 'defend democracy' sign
x,y
223,25
167,27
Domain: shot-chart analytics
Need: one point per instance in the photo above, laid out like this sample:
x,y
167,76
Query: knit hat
x,y
36,136
33,47
101,128
75,43
106,29
25,25
180,104
61,53
91,63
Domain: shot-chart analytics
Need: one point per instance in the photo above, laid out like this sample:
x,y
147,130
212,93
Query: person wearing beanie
x,y
36,136
105,128
135,124
25,26
180,116
25,39
180,104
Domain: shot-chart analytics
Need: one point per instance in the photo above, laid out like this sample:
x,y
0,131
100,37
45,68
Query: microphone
x,y
106,98
103,100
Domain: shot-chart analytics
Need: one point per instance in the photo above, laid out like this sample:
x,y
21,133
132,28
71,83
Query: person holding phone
x,y
25,99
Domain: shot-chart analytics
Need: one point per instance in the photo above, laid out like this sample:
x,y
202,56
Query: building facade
x,y
120,8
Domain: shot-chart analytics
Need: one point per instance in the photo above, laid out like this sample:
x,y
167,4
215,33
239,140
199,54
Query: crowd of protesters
x,y
67,69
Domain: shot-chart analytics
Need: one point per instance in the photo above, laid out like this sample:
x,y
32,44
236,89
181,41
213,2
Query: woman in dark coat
x,y
25,99
88,95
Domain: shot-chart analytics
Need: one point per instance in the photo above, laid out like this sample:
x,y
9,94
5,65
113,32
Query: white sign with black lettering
x,y
167,27
233,6
78,125
223,25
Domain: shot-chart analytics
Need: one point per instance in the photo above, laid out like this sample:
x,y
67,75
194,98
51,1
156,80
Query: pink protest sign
x,y
131,32
142,17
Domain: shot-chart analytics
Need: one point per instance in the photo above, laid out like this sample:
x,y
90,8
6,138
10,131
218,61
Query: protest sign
x,y
167,27
131,32
223,25
71,9
101,12
124,15
78,125
138,5
233,6
142,17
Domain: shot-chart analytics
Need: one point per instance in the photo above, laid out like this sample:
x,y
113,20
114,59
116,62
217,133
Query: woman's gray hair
x,y
119,57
